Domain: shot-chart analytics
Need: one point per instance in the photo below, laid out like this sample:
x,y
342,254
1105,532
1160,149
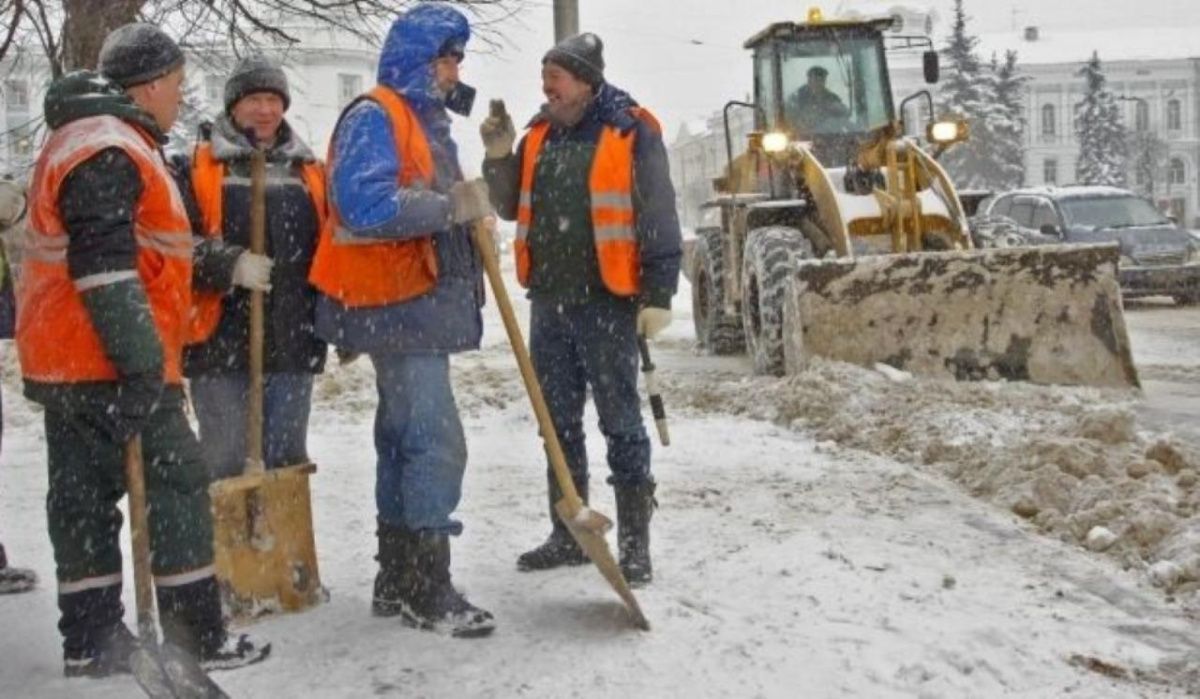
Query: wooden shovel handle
x,y
139,533
558,461
258,246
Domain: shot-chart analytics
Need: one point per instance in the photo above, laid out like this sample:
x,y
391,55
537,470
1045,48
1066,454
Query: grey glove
x,y
498,132
470,200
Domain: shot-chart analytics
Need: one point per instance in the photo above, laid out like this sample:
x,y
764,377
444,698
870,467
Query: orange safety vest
x,y
611,187
361,272
208,181
56,341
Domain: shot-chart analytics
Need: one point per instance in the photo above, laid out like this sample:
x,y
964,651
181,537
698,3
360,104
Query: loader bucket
x,y
1046,314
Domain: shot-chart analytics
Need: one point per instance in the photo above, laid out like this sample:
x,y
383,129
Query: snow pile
x,y
1069,460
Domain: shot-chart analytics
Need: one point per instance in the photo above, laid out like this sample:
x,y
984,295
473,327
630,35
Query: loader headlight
x,y
947,132
775,142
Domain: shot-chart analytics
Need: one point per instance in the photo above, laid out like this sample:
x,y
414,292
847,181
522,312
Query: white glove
x,y
498,132
253,272
470,200
651,321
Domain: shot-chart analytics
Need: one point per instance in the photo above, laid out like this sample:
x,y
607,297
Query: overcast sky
x,y
683,58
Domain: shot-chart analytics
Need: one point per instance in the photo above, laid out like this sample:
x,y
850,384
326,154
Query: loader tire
x,y
717,332
767,264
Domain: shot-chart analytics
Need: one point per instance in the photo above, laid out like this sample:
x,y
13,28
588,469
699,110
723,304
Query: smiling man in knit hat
x,y
598,247
216,185
102,315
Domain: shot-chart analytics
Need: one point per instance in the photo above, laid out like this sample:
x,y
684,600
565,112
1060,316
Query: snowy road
x,y
854,541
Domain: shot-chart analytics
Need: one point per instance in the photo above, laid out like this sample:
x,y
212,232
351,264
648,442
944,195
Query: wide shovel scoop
x,y
166,671
263,545
586,525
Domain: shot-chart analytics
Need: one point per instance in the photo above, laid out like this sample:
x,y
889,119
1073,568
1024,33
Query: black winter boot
x,y
14,580
96,643
191,619
635,506
560,549
390,581
430,601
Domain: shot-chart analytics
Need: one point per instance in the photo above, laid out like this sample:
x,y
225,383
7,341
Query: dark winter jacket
x,y
656,220
97,203
290,343
364,191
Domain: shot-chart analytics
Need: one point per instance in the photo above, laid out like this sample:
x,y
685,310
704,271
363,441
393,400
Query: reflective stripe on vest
x,y
208,185
364,272
56,340
611,191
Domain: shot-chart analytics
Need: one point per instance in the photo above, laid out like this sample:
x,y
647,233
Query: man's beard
x,y
567,114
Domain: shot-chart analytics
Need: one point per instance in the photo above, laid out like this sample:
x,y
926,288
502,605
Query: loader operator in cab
x,y
815,108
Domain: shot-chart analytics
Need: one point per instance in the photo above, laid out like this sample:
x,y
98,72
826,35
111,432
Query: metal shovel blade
x,y
588,527
170,673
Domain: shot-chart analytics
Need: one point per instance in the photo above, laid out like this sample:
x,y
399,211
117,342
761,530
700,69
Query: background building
x,y
326,70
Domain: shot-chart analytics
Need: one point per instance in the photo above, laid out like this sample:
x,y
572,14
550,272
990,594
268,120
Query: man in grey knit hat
x,y
598,247
216,186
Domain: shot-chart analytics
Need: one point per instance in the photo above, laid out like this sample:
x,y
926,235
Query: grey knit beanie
x,y
138,53
581,55
256,73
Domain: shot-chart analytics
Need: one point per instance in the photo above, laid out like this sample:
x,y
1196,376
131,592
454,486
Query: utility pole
x,y
566,19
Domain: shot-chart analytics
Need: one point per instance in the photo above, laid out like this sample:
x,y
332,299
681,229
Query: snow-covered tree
x,y
1008,129
968,92
1099,130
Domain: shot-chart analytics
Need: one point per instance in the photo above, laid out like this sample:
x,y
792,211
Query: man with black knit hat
x,y
103,310
216,186
598,247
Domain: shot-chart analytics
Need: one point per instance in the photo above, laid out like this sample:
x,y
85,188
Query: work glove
x,y
253,272
498,132
652,320
470,201
137,396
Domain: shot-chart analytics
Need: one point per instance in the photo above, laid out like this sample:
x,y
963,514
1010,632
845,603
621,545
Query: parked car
x,y
1158,258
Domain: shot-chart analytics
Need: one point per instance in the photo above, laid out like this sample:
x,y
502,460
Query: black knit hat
x,y
581,55
256,73
138,53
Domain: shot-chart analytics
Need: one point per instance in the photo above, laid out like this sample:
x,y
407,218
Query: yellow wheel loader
x,y
839,236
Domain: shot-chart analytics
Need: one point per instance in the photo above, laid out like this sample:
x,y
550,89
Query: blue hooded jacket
x,y
364,187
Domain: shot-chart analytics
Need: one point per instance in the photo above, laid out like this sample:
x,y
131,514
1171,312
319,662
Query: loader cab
x,y
822,81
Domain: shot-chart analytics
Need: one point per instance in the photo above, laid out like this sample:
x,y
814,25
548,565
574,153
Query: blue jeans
x,y
592,344
419,442
220,401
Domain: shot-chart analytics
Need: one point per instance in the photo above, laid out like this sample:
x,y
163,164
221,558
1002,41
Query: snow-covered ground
x,y
842,533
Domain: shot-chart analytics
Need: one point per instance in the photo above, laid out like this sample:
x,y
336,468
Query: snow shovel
x,y
586,525
656,401
264,552
166,671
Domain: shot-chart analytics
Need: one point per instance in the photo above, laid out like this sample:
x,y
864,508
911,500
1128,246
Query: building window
x,y
20,142
16,95
1176,172
214,90
1050,171
349,87
1174,115
1141,115
1048,120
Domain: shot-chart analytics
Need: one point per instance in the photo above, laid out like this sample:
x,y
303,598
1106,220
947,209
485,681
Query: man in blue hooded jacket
x,y
401,282
598,246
